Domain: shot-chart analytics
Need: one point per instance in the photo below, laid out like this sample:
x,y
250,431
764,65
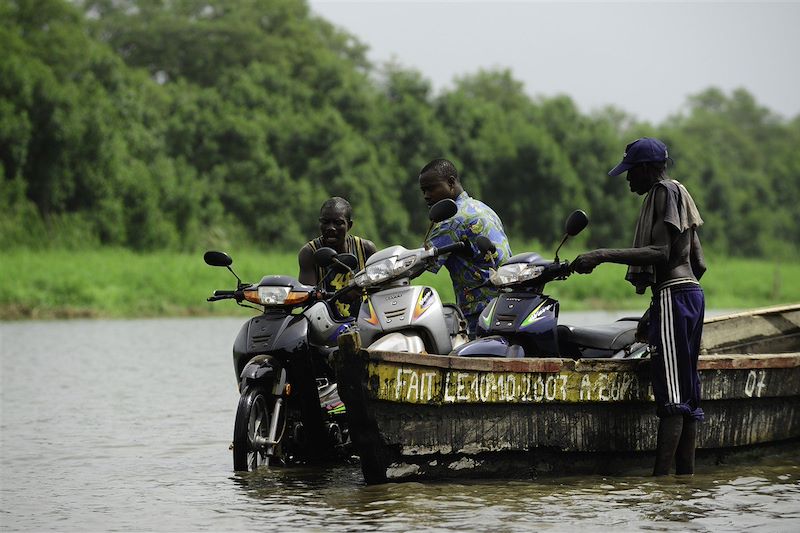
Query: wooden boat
x,y
416,416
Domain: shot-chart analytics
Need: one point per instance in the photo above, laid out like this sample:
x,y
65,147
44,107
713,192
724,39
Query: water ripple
x,y
135,436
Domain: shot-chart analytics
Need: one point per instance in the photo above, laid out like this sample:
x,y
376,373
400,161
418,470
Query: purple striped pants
x,y
676,326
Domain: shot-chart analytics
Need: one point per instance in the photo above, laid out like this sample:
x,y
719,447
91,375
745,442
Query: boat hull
x,y
418,416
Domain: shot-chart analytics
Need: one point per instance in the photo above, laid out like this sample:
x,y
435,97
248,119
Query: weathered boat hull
x,y
770,330
417,416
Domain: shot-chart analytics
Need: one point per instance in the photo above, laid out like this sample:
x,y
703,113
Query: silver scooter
x,y
399,317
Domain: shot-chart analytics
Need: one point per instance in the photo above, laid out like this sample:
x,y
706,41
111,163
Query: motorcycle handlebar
x,y
332,296
560,270
225,295
449,248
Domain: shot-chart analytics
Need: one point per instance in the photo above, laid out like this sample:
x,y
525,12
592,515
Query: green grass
x,y
119,283
728,284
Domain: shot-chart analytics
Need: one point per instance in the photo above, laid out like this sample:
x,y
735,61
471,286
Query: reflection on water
x,y
125,425
767,496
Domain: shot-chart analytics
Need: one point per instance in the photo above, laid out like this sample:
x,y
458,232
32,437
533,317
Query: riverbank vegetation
x,y
116,283
154,125
135,134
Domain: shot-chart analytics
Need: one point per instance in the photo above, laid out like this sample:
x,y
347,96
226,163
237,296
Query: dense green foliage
x,y
186,124
116,282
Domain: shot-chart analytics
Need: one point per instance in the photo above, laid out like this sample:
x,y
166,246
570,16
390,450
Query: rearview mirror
x,y
346,263
323,257
576,222
217,259
442,210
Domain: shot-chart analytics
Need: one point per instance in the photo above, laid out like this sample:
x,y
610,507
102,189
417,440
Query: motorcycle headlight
x,y
383,270
515,273
271,295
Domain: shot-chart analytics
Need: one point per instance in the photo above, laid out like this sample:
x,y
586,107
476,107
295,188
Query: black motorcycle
x,y
523,321
289,409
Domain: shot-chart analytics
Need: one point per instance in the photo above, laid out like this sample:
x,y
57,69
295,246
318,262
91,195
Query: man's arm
x,y
698,260
369,249
308,272
655,254
442,234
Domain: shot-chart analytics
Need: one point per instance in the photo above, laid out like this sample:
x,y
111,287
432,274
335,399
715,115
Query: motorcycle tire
x,y
253,417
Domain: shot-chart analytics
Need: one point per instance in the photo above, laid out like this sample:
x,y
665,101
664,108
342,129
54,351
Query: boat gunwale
x,y
557,364
779,309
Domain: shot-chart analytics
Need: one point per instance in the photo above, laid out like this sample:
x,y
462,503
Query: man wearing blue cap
x,y
667,257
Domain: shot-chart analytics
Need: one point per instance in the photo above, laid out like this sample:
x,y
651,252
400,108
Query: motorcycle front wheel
x,y
251,443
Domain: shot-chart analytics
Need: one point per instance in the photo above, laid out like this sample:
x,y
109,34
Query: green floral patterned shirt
x,y
469,269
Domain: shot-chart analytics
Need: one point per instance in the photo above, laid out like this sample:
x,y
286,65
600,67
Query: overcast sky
x,y
643,57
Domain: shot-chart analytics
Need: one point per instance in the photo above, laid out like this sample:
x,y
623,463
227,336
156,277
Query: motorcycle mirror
x,y
217,259
323,257
576,222
484,244
221,259
442,210
345,263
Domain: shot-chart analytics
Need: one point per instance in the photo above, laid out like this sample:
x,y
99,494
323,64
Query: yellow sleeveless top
x,y
353,245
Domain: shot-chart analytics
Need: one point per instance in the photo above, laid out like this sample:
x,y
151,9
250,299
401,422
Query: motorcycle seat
x,y
614,336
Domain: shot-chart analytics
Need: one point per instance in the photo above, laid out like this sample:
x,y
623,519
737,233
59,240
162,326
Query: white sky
x,y
643,57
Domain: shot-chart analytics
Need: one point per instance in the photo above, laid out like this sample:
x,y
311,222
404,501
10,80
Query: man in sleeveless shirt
x,y
666,256
335,222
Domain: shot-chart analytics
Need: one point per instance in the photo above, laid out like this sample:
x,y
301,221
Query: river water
x,y
125,425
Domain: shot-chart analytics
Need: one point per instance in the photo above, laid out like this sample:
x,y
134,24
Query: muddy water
x,y
125,425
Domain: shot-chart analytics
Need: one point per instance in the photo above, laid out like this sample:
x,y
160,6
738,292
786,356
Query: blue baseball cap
x,y
642,150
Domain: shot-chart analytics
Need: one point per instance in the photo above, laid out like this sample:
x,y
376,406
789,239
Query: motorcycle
x,y
400,317
289,409
523,321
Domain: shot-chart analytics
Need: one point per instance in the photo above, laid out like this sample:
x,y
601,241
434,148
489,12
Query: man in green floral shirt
x,y
469,269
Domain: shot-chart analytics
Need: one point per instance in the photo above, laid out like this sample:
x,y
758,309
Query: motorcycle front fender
x,y
263,367
407,341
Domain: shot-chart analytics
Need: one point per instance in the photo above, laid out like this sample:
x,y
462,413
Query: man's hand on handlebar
x,y
585,263
454,247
